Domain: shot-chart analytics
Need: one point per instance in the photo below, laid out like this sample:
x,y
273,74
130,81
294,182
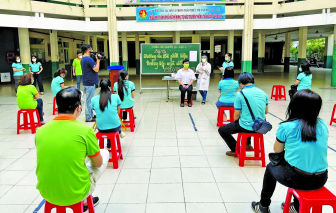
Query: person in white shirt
x,y
185,77
204,70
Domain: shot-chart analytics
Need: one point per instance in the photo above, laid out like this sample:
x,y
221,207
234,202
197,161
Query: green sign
x,y
168,58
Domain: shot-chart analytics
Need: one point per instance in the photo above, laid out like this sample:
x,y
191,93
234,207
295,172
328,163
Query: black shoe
x,y
291,207
257,208
95,203
92,120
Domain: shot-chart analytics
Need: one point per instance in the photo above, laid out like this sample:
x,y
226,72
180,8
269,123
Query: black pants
x,y
38,78
227,130
117,129
288,176
39,107
183,92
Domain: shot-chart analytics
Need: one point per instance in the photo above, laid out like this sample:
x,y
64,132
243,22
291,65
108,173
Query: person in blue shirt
x,y
90,70
57,84
125,89
107,108
17,71
227,63
304,79
36,68
227,89
304,138
243,120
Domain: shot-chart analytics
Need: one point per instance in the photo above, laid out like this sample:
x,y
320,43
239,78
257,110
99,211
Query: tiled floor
x,y
168,167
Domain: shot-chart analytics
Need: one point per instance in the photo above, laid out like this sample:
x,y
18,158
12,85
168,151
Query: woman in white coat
x,y
204,70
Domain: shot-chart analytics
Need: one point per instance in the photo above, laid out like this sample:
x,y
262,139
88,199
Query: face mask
x,y
203,60
80,56
63,76
226,59
300,69
186,65
18,60
33,59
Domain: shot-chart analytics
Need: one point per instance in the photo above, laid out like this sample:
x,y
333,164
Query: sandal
x,y
203,102
182,105
189,105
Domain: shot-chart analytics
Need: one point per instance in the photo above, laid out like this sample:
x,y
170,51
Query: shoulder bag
x,y
226,91
259,125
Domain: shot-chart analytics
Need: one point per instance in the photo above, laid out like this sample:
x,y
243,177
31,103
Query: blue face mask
x,y
300,69
63,76
226,59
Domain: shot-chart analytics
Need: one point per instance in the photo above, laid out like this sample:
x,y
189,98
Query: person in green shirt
x,y
77,69
18,70
27,95
69,161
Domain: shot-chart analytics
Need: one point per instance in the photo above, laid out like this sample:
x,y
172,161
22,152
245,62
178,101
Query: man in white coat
x,y
204,70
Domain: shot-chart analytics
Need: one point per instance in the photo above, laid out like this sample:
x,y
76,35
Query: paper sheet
x,y
192,56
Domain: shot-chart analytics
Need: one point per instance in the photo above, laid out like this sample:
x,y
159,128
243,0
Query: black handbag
x,y
292,91
259,125
277,158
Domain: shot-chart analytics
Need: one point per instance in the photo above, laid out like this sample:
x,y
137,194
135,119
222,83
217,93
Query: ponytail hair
x,y
105,93
121,84
60,71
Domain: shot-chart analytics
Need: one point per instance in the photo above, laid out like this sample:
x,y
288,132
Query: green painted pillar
x,y
246,66
261,64
333,71
114,63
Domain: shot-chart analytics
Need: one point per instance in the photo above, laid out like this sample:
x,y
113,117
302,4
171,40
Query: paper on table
x,y
192,55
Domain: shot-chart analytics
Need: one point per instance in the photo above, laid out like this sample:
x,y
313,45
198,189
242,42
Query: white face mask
x,y
203,60
18,60
80,56
34,59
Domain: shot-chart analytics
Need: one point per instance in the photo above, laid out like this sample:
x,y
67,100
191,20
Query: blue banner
x,y
192,13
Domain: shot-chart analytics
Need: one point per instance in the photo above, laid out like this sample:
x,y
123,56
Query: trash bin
x,y
114,72
194,95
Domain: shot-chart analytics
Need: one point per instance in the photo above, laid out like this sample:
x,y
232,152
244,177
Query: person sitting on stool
x,y
185,77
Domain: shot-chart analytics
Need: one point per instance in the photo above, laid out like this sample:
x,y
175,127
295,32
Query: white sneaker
x,y
122,134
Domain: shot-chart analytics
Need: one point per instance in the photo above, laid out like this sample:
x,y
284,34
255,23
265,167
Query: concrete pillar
x,y
230,43
137,53
325,53
54,51
302,46
113,33
261,52
24,48
196,39
333,72
247,37
330,51
212,51
148,39
177,37
94,44
287,52
124,50
106,62
87,39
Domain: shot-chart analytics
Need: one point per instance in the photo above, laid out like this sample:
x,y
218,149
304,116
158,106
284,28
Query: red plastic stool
x,y
220,116
259,149
55,108
115,150
311,199
76,208
186,101
131,122
333,119
28,124
277,92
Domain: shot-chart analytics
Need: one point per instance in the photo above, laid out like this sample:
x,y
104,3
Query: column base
x,y
212,62
125,64
328,61
246,66
114,63
54,67
137,66
261,64
300,61
287,64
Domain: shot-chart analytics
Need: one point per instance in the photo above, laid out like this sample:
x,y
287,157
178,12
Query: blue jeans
x,y
79,79
89,92
203,94
222,104
39,108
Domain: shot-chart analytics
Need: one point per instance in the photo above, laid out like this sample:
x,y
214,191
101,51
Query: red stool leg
x,y
276,93
256,146
114,153
119,147
191,101
232,115
48,207
220,117
272,92
32,122
284,90
38,118
90,204
238,145
288,200
242,154
60,209
262,149
131,118
25,121
101,143
332,115
18,122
